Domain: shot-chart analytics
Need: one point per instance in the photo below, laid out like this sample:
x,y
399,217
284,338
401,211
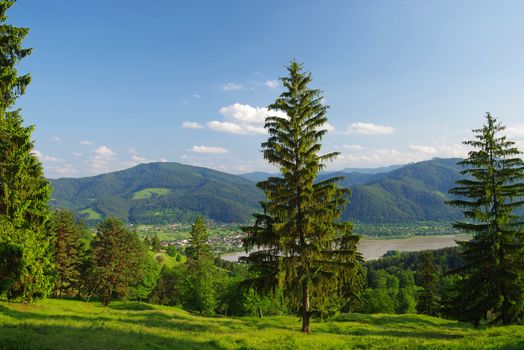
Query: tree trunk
x,y
305,308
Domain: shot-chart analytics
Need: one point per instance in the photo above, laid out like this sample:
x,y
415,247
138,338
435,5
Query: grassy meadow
x,y
71,324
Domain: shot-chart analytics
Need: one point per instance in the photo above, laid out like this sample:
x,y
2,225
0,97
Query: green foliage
x,y
305,250
117,261
200,293
24,192
172,251
69,253
11,264
170,287
429,300
492,278
150,275
156,245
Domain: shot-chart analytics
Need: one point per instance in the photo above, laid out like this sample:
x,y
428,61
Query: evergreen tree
x,y
428,300
117,260
69,253
303,247
492,275
199,264
156,245
24,192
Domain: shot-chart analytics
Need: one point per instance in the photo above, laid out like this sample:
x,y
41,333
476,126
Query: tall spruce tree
x,y
199,264
492,280
302,247
69,252
24,192
429,299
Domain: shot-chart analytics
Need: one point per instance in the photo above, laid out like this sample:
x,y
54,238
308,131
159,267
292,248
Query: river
x,y
375,248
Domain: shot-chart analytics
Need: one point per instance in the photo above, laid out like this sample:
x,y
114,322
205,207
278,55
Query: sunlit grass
x,y
69,324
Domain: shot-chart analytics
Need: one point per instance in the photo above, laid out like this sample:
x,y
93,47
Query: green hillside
x,y
158,193
66,324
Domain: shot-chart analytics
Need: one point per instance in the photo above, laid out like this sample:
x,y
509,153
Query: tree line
x,y
306,259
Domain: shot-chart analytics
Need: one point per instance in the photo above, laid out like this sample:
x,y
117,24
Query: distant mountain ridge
x,y
173,192
159,193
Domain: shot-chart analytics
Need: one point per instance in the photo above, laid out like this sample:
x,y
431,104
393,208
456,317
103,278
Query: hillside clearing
x,y
69,324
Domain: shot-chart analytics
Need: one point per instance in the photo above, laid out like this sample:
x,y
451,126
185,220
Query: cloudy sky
x,y
117,83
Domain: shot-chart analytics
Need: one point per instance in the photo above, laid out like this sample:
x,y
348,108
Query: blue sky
x,y
117,83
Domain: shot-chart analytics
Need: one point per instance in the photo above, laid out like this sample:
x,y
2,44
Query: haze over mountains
x,y
172,192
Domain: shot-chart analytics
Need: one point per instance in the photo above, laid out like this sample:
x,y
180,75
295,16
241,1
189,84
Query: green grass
x,y
67,324
91,214
149,192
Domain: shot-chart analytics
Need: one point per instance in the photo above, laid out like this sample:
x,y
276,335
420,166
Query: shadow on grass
x,y
65,337
382,319
131,306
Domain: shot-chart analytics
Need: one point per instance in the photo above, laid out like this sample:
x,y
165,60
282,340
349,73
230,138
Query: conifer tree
x,y
492,276
69,253
428,300
199,264
303,248
156,245
117,261
24,192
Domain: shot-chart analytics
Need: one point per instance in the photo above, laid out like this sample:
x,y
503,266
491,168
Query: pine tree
x,y
492,276
24,192
304,249
199,264
117,261
69,253
428,300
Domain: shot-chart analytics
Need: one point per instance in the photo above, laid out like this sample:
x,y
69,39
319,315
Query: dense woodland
x,y
306,262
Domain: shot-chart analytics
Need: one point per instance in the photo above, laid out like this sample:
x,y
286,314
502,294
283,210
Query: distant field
x,y
91,214
66,324
149,192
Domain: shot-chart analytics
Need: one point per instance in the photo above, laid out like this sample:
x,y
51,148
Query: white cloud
x,y
101,160
273,84
226,127
208,150
328,127
63,170
423,149
197,96
354,147
191,125
162,160
137,159
242,119
56,139
78,155
369,129
86,143
515,131
45,158
232,86
455,150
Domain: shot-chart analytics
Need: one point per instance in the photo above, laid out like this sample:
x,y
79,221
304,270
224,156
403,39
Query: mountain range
x,y
157,193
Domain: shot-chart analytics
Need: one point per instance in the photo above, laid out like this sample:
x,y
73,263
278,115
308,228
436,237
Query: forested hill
x,y
159,193
415,192
172,192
